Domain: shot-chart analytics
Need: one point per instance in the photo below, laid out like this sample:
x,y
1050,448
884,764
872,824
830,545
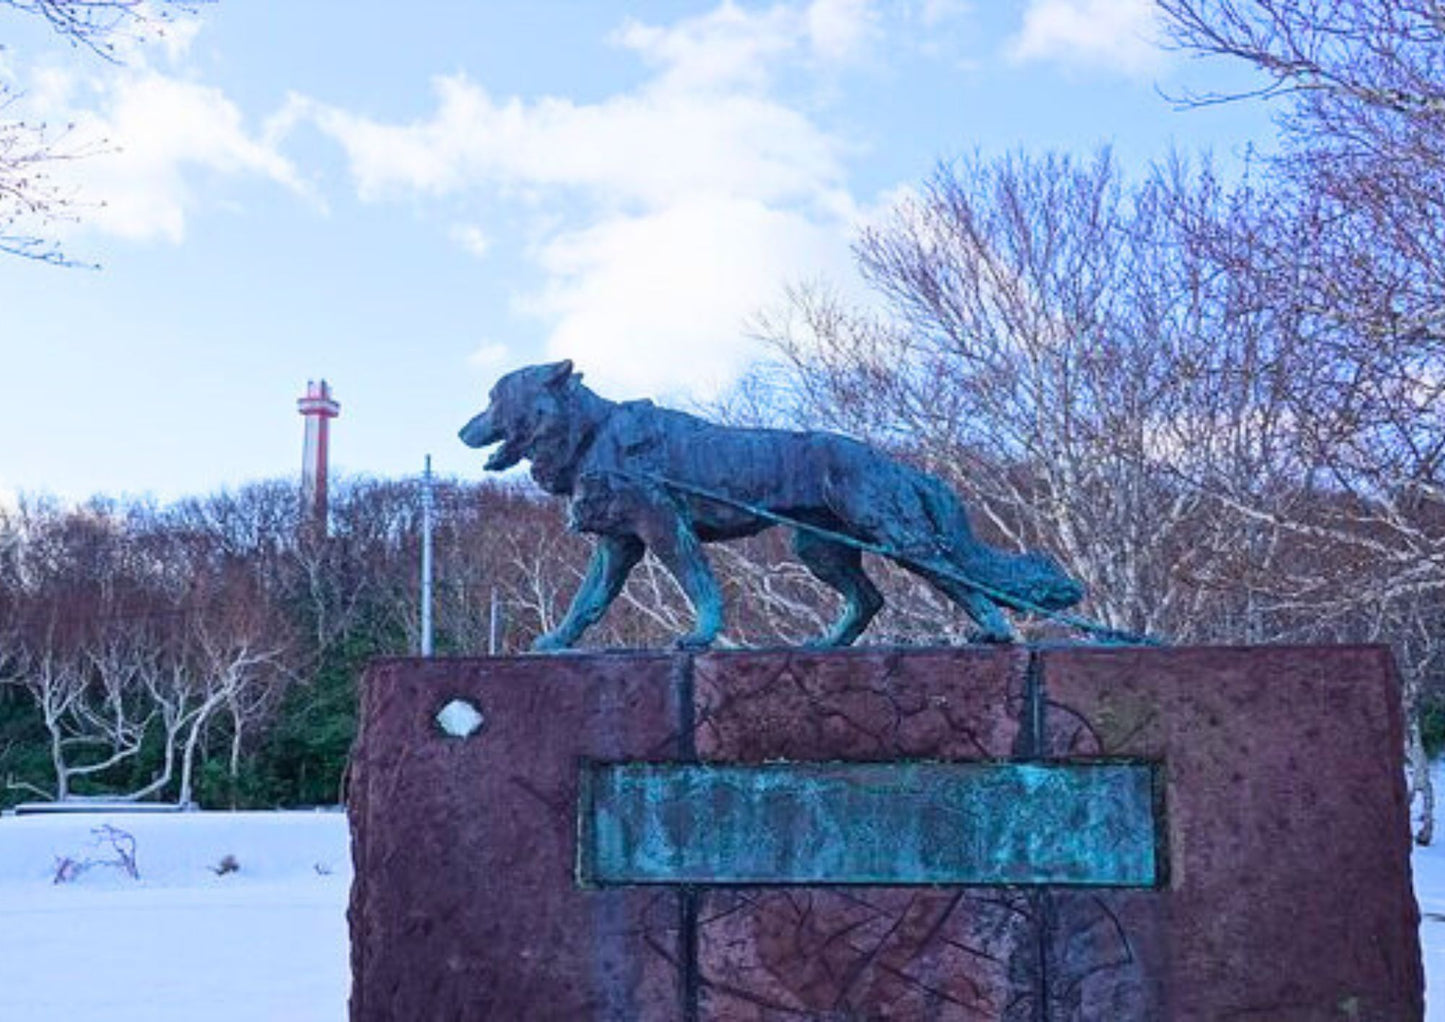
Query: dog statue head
x,y
522,408
1045,582
540,413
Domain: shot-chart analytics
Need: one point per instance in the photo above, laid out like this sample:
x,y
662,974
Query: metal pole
x,y
495,624
426,580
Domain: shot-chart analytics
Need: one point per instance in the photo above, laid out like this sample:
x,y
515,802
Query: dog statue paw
x,y
692,642
550,642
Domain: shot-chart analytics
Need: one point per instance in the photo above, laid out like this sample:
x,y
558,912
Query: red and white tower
x,y
319,409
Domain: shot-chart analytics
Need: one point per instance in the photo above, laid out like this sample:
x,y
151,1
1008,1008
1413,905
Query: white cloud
x,y
937,12
840,29
732,47
652,147
726,48
664,216
148,131
141,127
154,37
647,304
141,134
1120,35
472,238
177,36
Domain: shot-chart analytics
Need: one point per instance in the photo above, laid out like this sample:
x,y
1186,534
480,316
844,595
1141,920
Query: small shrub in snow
x,y
122,844
66,869
122,855
228,864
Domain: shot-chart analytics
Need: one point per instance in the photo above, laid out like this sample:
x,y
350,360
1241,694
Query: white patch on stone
x,y
459,718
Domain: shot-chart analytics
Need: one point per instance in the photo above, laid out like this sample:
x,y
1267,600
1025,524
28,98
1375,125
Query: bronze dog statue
x,y
642,477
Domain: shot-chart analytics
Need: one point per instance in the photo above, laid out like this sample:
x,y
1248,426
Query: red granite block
x,y
921,955
1289,894
465,904
860,704
1103,953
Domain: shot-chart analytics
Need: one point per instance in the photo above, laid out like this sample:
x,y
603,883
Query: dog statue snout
x,y
480,432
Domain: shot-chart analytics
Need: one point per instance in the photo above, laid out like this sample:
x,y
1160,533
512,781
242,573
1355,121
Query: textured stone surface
x,y
464,904
1286,892
770,955
1289,895
1103,957
860,704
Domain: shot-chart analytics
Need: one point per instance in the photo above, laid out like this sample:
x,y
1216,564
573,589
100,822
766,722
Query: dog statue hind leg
x,y
842,568
923,523
992,625
668,533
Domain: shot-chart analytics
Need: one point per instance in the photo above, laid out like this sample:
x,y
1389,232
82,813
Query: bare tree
x,y
1348,246
1219,406
1334,58
91,703
233,659
1045,348
1346,257
32,204
135,634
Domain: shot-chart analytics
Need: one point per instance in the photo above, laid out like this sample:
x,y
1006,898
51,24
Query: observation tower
x,y
319,408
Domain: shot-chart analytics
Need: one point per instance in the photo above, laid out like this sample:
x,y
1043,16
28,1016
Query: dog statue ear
x,y
558,372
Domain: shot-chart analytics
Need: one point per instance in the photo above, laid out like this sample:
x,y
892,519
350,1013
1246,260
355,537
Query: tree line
x,y
208,651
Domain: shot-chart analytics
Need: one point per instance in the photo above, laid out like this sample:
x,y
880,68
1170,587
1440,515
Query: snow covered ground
x,y
1429,867
267,941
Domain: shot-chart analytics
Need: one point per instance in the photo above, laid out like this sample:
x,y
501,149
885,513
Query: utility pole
x,y
426,581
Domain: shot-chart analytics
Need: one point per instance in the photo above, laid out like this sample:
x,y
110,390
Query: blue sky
x,y
409,200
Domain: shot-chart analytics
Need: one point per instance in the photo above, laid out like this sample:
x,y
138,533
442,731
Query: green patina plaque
x,y
1089,824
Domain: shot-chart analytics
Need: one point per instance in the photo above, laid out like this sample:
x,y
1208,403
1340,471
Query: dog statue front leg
x,y
612,561
669,534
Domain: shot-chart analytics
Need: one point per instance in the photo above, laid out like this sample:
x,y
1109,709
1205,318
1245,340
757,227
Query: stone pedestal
x,y
1231,824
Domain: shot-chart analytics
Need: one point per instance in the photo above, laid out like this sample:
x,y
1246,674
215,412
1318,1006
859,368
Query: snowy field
x,y
1429,866
264,941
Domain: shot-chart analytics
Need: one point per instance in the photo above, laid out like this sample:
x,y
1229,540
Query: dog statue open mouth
x,y
642,477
